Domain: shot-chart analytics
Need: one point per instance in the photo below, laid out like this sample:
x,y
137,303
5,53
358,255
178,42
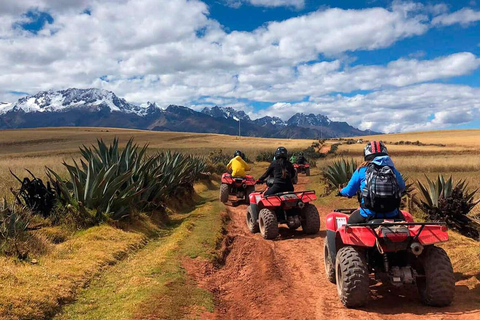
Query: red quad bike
x,y
240,187
399,252
301,168
291,208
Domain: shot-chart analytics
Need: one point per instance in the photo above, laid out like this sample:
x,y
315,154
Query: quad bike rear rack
x,y
288,192
372,226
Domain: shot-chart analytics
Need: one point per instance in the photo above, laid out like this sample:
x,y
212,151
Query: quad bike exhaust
x,y
416,248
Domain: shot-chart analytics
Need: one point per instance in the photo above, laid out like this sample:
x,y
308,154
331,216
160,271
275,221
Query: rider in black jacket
x,y
282,171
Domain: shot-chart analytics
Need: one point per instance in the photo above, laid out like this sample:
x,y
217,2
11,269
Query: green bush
x,y
339,173
109,183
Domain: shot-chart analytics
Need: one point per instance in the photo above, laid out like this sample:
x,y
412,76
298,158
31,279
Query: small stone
x,y
34,261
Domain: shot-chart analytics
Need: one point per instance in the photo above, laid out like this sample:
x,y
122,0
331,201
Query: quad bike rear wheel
x,y
268,224
352,277
310,219
327,260
437,287
307,172
224,192
252,225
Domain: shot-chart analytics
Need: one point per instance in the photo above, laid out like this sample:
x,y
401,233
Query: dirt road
x,y
285,279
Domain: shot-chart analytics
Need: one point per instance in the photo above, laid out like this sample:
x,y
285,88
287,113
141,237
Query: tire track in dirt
x,y
285,279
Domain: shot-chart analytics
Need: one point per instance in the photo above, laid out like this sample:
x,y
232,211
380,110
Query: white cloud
x,y
393,110
173,52
464,17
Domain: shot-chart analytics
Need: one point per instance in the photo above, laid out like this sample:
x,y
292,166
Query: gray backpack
x,y
381,192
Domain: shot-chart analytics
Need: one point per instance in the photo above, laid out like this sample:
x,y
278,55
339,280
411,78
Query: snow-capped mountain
x,y
305,120
274,121
86,99
102,108
227,113
4,107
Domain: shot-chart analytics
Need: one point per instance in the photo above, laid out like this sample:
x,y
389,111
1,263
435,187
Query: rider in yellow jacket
x,y
238,165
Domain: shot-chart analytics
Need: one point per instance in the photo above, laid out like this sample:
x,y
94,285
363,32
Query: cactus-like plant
x,y
339,173
445,200
112,182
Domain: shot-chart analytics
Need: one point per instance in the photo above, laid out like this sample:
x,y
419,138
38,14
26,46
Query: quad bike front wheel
x,y
268,224
327,260
352,277
310,219
252,225
224,192
437,286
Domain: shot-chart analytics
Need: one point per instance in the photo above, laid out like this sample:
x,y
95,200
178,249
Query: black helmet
x,y
374,149
244,157
281,152
238,153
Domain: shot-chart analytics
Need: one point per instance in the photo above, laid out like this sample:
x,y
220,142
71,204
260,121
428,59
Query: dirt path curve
x,y
285,279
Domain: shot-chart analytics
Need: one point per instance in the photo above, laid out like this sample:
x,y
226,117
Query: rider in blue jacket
x,y
374,152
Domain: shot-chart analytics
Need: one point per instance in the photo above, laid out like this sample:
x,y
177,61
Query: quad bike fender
x,y
227,178
308,197
249,180
357,236
270,202
408,216
430,234
336,220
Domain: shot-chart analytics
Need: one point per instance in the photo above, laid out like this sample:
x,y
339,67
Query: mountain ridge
x,y
102,108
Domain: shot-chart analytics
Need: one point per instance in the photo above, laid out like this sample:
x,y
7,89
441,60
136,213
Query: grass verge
x,y
153,284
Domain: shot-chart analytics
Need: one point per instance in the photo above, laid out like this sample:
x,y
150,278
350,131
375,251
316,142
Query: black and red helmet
x,y
374,149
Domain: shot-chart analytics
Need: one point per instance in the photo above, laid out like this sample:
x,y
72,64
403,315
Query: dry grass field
x,y
36,291
34,149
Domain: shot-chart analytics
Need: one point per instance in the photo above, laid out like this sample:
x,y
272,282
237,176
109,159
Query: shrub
x,y
35,195
109,184
14,223
265,156
339,173
444,200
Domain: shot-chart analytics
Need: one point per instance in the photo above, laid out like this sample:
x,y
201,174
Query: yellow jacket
x,y
238,167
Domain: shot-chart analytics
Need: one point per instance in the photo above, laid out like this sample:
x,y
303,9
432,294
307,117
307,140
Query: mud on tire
x,y
252,225
310,219
224,192
268,224
327,261
352,277
437,288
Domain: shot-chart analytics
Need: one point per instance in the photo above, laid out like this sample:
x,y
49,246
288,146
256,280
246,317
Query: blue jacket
x,y
357,182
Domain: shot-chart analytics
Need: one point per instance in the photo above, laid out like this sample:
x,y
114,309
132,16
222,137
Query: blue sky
x,y
383,65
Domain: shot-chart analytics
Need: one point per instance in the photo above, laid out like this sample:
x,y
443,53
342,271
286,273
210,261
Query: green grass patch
x,y
153,284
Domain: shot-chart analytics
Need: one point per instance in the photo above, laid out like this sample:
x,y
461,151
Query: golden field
x,y
142,263
34,149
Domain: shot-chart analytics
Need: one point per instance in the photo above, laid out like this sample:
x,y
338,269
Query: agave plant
x,y
35,195
445,200
339,173
112,182
14,223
